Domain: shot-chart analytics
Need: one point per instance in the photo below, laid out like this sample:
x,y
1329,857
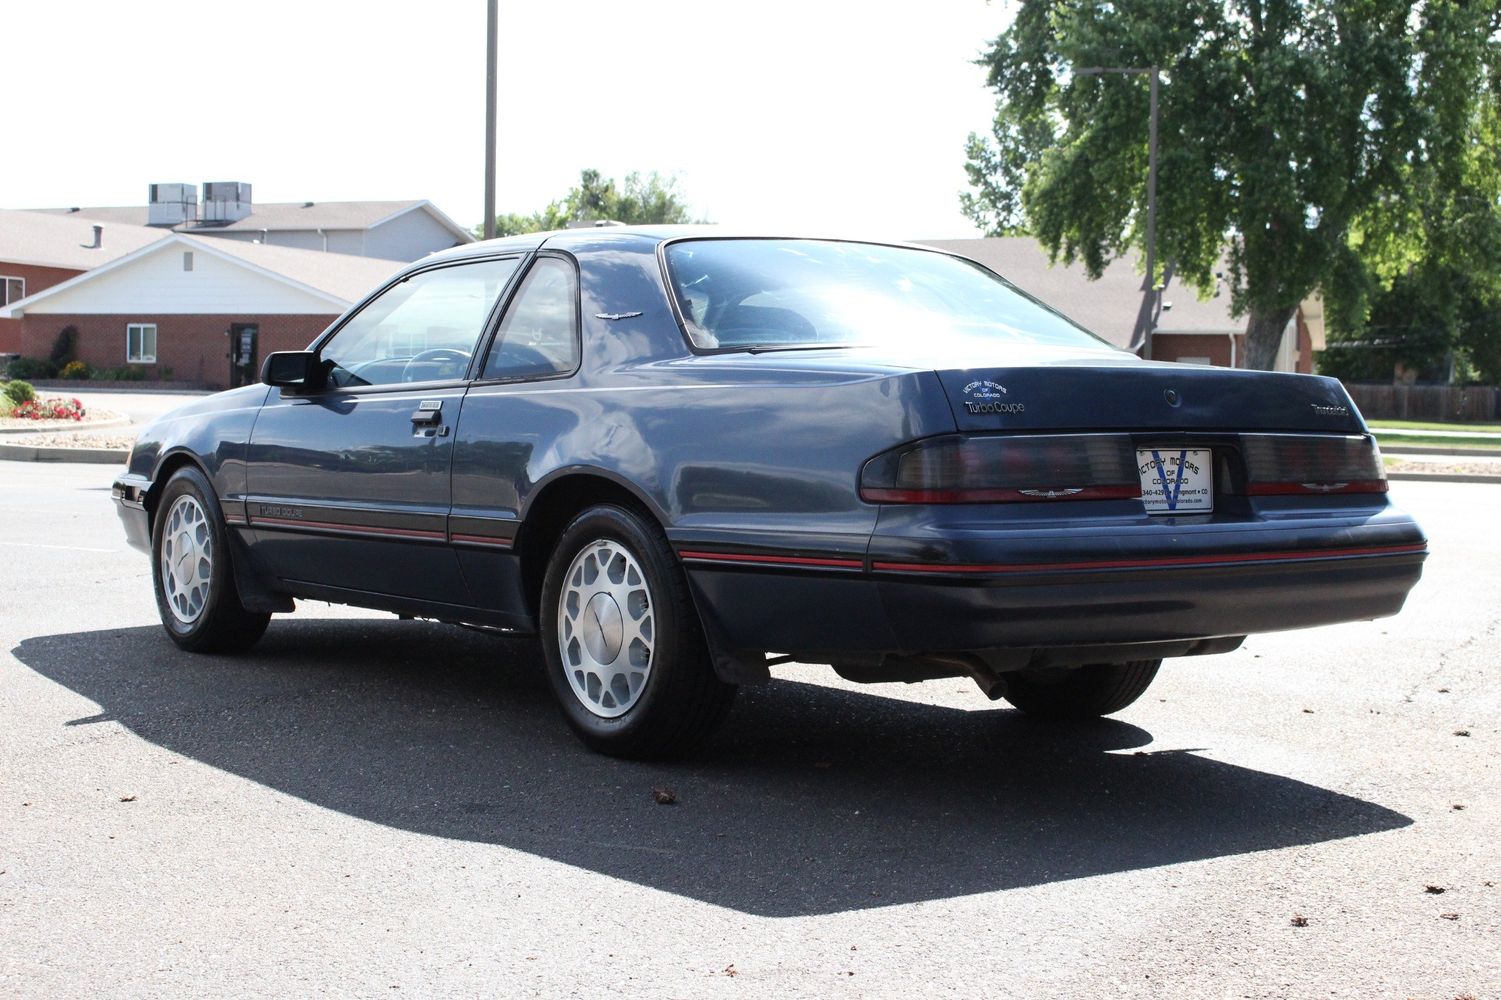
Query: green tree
x,y
638,200
1432,290
1308,136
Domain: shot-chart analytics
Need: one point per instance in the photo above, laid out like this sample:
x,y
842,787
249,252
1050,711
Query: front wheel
x,y
625,651
1081,693
194,581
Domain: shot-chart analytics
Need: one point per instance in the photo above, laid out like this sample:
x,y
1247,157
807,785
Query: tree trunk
x,y
1264,335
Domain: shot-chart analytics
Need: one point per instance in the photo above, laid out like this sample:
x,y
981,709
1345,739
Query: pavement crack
x,y
1442,662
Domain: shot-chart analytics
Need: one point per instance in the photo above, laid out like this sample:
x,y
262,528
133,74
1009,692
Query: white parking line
x,y
68,548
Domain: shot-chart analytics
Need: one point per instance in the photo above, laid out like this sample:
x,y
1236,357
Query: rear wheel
x,y
625,651
194,581
1082,693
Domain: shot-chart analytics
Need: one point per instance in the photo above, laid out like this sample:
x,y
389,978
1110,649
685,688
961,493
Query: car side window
x,y
422,329
539,335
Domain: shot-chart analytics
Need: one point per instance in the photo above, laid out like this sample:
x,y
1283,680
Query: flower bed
x,y
49,408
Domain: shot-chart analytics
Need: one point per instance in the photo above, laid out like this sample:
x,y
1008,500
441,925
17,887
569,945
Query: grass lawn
x,y
1422,425
1423,440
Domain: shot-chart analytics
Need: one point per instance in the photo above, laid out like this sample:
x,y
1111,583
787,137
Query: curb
x,y
72,425
42,453
89,388
1439,477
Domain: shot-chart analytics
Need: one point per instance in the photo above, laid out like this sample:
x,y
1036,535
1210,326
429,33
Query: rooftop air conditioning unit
x,y
172,204
225,201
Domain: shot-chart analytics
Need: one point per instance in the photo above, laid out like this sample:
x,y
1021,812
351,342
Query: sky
x,y
845,117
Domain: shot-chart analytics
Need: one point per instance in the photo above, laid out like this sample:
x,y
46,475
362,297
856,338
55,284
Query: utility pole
x,y
491,57
1146,320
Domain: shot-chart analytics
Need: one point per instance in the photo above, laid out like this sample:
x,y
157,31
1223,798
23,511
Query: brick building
x,y
40,251
205,311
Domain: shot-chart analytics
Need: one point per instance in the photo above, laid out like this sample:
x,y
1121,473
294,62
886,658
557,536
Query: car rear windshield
x,y
737,294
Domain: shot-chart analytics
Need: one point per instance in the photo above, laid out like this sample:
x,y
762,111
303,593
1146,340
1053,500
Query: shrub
x,y
19,392
125,373
31,368
75,369
50,408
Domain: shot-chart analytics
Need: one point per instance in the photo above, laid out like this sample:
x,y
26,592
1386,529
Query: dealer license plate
x,y
1176,480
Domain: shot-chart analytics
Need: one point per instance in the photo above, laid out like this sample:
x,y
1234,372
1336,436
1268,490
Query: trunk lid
x,y
1145,396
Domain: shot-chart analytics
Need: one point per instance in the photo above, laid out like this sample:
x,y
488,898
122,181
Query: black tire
x,y
594,662
1084,693
203,614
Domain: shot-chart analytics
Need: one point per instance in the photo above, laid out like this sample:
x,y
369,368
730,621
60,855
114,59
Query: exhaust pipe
x,y
989,680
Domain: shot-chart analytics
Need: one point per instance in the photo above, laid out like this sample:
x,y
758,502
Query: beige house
x,y
1189,330
391,230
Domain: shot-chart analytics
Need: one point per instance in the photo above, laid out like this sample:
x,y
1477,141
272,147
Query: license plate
x,y
1176,480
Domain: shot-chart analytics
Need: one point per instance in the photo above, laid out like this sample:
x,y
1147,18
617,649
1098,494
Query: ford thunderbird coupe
x,y
680,457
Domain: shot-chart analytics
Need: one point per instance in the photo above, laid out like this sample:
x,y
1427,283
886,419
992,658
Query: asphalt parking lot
x,y
365,807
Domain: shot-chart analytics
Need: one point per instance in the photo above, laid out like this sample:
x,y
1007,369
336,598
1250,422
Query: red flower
x,y
51,408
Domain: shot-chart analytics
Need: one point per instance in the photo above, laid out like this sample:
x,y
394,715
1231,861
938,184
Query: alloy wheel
x,y
187,559
606,628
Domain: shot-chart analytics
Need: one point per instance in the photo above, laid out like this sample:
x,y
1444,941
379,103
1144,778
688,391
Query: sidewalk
x,y
1397,432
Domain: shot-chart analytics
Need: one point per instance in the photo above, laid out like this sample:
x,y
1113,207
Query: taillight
x,y
1278,464
1001,469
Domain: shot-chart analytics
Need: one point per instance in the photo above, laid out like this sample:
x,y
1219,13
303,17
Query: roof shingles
x,y
48,241
1109,306
274,216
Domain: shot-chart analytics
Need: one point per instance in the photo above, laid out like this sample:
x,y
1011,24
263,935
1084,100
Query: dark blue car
x,y
679,457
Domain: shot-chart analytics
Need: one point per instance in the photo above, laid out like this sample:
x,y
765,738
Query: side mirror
x,y
299,371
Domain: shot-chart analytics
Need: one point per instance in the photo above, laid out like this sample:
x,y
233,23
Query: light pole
x,y
490,61
1146,319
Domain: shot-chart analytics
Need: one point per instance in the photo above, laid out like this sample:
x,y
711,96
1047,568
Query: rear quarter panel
x,y
732,454
716,445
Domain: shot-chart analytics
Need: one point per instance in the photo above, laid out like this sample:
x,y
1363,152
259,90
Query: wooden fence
x,y
1425,402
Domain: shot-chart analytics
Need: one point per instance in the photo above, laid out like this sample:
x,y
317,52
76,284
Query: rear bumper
x,y
931,582
1150,604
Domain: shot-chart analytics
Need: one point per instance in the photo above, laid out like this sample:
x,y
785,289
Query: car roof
x,y
591,236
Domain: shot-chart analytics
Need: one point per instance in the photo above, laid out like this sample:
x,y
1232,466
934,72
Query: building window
x,y
140,343
11,290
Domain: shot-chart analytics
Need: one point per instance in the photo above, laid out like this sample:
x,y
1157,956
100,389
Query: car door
x,y
516,413
349,486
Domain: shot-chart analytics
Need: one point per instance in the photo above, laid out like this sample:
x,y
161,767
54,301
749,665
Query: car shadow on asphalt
x,y
811,800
